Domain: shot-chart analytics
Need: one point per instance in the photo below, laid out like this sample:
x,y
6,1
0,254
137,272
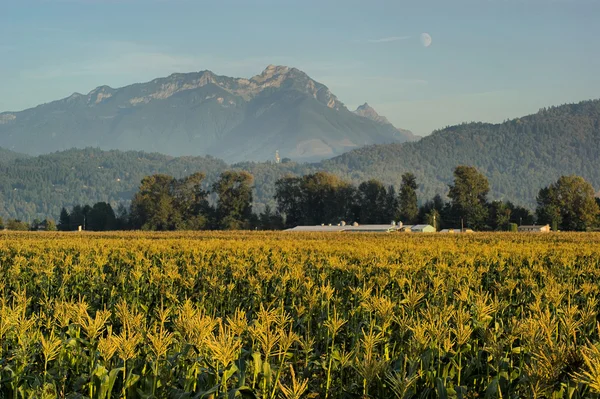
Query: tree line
x,y
164,203
322,198
35,225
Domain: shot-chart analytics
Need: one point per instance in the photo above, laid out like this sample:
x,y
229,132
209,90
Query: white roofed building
x,y
355,227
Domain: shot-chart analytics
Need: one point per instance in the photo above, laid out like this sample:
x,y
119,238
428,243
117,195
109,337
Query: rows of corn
x,y
259,315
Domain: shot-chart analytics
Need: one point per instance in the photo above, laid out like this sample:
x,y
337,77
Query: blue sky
x,y
490,60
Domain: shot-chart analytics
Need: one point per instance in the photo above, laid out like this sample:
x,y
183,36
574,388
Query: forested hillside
x,y
518,157
41,186
7,156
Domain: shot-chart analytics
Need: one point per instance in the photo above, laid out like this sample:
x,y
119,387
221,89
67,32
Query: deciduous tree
x,y
469,196
234,206
569,203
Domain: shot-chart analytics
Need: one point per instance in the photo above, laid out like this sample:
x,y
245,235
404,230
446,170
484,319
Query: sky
x,y
489,60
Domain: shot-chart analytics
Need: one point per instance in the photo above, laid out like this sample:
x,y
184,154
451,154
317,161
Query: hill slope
x,y
7,156
202,113
40,186
518,156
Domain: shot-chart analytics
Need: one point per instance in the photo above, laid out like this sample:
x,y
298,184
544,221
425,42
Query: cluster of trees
x,y
569,204
38,187
35,225
98,217
469,206
322,198
167,203
325,198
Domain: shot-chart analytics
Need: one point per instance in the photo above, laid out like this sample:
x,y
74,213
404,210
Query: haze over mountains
x,y
518,157
201,113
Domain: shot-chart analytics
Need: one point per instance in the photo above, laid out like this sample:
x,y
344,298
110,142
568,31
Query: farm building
x,y
423,228
355,227
456,230
535,229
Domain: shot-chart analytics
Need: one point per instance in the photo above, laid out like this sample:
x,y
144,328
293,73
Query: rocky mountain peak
x,y
275,69
99,94
367,111
272,72
282,76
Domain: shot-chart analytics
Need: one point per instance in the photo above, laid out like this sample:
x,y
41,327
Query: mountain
x,y
518,157
202,113
368,112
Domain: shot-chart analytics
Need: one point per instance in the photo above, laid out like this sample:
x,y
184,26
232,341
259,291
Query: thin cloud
x,y
388,39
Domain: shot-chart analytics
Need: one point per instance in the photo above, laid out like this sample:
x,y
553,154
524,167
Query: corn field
x,y
277,315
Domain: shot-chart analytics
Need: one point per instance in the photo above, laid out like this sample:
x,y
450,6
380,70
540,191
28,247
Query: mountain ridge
x,y
369,112
201,113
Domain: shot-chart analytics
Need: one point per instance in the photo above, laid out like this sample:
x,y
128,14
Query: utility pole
x,y
462,225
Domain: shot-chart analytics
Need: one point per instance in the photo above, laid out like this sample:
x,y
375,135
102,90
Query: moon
x,y
426,39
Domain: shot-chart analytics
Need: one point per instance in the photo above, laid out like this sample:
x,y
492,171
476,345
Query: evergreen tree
x,y
101,217
77,218
499,215
122,218
391,205
407,199
64,221
290,201
269,220
372,201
